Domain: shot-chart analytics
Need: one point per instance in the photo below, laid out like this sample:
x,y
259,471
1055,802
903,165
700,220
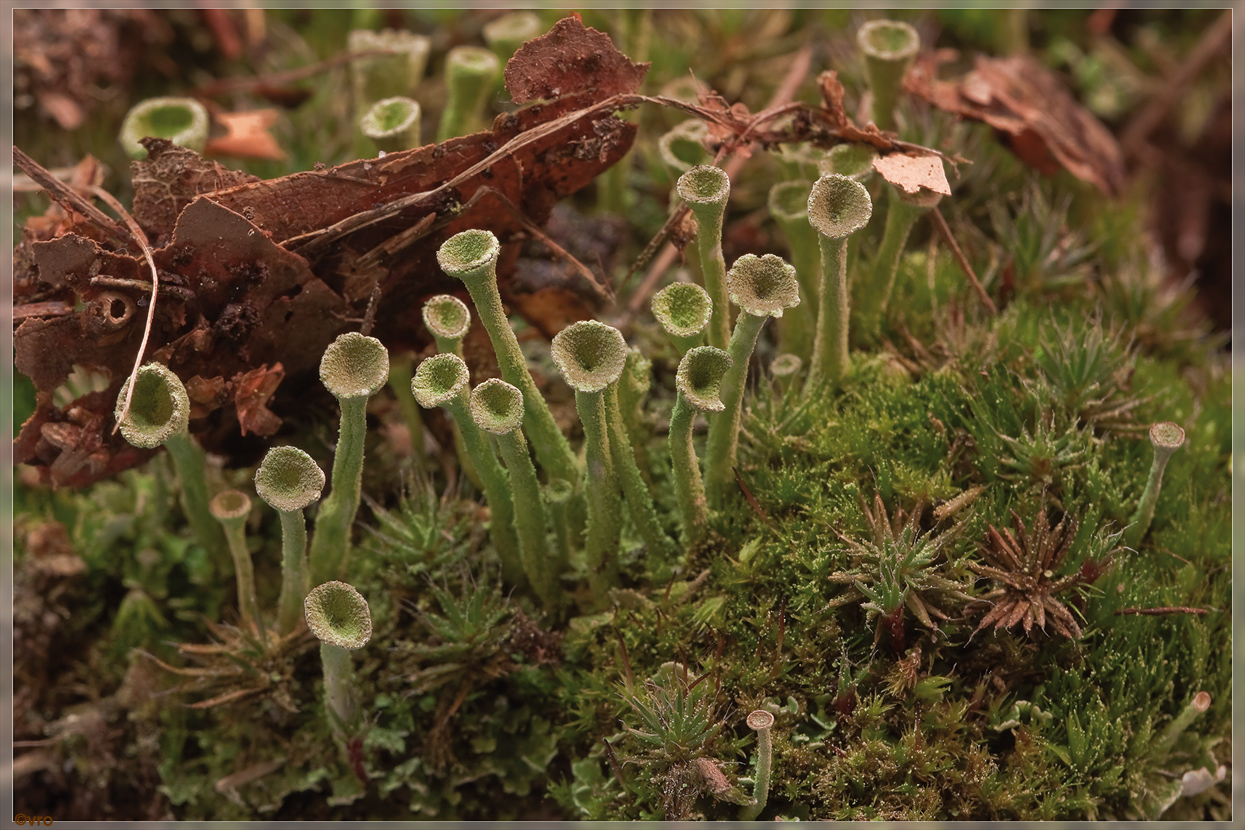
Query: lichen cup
x,y
288,480
339,617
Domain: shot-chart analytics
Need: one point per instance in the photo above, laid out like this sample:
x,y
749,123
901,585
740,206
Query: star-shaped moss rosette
x,y
706,189
288,480
762,287
1027,570
444,381
837,208
354,367
340,618
497,408
591,356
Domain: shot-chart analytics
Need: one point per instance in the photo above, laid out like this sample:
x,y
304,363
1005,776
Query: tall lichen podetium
x,y
340,618
788,204
889,47
591,357
902,211
354,367
1166,437
444,380
288,480
231,507
471,74
837,208
159,415
497,408
698,384
761,722
471,256
706,190
449,319
762,287
380,76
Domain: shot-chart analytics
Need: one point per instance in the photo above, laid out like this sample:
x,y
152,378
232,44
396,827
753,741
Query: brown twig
x,y
67,197
941,224
1160,611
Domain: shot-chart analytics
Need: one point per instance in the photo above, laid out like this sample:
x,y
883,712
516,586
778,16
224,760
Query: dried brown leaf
x,y
571,58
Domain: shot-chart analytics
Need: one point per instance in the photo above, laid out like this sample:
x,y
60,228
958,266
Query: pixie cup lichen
x,y
698,384
683,309
761,722
448,318
354,367
382,76
288,480
889,47
1166,437
183,121
159,415
392,124
762,287
706,189
444,381
471,74
837,208
231,507
339,617
591,356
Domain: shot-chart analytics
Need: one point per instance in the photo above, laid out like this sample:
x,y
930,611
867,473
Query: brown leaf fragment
x,y
248,135
913,173
571,58
251,393
1022,99
168,180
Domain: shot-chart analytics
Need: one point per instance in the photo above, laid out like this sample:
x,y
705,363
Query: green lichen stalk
x,y
354,368
444,380
183,121
788,204
635,489
340,618
449,319
837,208
698,384
231,507
497,408
762,287
390,75
1166,438
591,356
159,415
889,47
471,256
761,722
288,480
392,124
706,190
902,212
471,74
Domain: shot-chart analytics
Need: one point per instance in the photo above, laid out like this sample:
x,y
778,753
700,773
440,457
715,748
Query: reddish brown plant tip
x,y
571,58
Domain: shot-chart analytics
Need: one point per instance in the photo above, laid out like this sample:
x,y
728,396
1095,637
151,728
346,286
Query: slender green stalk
x,y
497,408
191,469
231,507
288,480
183,121
633,386
399,382
706,190
443,381
902,211
762,287
761,722
788,204
389,75
1194,709
471,74
889,47
471,256
354,368
1166,437
698,384
635,489
837,208
340,618
392,124
507,33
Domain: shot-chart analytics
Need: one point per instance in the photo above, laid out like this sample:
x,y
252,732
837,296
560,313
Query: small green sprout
x,y
183,121
288,480
354,367
1166,437
706,190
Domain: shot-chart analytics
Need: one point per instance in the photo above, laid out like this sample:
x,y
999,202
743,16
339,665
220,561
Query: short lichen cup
x,y
444,381
354,367
1165,437
698,385
591,356
497,408
231,508
762,287
392,124
889,46
682,146
382,76
471,74
183,121
683,309
448,318
706,189
159,415
471,256
339,617
288,480
837,208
